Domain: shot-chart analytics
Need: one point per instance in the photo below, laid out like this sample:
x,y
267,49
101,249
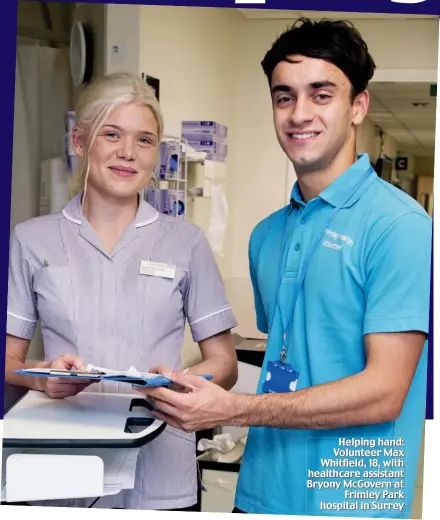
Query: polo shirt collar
x,y
145,215
337,192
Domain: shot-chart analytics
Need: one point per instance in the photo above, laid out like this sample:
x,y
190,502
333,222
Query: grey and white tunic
x,y
100,307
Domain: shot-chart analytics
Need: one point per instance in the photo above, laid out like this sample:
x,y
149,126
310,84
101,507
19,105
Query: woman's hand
x,y
58,388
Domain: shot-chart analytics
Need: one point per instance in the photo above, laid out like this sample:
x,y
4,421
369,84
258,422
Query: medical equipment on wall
x,y
201,143
69,151
167,191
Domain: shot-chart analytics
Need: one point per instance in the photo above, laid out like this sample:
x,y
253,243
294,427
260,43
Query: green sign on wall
x,y
433,90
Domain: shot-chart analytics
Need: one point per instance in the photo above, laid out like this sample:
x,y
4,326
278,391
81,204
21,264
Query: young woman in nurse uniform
x,y
78,272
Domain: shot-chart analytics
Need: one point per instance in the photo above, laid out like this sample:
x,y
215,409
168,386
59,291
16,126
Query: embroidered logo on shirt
x,y
335,239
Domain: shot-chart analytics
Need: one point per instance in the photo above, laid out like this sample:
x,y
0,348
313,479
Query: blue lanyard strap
x,y
307,260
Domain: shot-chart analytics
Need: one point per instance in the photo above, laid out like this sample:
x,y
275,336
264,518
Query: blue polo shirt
x,y
369,274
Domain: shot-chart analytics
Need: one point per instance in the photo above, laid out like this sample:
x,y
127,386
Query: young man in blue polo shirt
x,y
341,279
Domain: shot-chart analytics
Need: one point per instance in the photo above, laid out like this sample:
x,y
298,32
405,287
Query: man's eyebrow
x,y
315,85
280,88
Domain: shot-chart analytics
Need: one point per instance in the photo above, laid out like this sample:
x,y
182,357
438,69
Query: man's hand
x,y
201,405
58,388
162,370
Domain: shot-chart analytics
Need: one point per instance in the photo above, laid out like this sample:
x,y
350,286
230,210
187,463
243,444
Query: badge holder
x,y
280,377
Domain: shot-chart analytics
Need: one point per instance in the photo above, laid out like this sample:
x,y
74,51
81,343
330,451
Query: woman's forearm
x,y
222,368
33,383
219,360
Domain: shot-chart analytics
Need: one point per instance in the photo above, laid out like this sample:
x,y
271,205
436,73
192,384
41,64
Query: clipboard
x,y
98,374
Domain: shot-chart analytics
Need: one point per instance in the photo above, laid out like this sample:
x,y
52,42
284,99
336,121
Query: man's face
x,y
314,115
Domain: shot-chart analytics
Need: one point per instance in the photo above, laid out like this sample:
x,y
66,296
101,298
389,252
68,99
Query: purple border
x,y
8,40
426,7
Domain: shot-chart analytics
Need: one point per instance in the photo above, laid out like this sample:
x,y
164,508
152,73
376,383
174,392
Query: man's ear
x,y
360,108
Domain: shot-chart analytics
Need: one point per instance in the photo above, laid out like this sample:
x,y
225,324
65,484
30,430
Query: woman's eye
x,y
145,140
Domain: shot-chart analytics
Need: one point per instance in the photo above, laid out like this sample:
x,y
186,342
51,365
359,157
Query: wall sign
x,y
401,164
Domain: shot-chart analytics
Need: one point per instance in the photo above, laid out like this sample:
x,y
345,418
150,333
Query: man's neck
x,y
312,183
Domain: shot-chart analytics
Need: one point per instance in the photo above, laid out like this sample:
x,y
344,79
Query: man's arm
x,y
375,395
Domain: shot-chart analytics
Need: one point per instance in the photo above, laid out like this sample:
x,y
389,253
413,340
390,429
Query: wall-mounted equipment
x,y
81,54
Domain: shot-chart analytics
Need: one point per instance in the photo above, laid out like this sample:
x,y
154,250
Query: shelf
x,y
193,159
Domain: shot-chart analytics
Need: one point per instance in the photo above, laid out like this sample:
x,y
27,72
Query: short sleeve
x,y
262,325
206,306
22,314
398,276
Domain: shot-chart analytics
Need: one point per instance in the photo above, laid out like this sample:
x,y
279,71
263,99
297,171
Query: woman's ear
x,y
77,142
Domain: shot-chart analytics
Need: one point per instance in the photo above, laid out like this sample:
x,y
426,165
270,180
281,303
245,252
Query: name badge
x,y
157,269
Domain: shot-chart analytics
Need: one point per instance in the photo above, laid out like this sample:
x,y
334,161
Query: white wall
x,y
123,23
195,60
424,166
401,44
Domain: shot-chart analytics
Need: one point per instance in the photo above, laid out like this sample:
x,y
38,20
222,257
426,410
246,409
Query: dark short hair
x,y
337,42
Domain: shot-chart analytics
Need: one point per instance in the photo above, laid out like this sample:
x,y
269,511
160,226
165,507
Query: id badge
x,y
280,378
157,269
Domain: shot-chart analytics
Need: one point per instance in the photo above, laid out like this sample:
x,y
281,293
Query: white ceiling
x,y
281,14
392,109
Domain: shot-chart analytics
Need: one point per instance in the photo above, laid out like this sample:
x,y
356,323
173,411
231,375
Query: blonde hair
x,y
95,104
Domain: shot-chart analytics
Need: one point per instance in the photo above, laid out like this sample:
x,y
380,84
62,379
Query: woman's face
x,y
123,156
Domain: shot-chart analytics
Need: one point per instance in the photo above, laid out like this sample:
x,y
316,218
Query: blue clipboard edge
x,y
153,382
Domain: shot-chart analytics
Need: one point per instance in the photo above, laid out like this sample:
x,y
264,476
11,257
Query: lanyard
x,y
307,260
